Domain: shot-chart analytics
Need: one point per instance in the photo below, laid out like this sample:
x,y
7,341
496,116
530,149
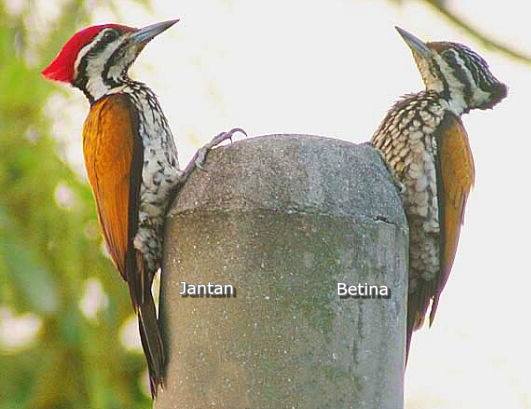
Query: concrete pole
x,y
284,219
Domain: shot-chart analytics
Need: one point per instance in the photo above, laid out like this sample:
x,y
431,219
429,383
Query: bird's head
x,y
96,59
459,74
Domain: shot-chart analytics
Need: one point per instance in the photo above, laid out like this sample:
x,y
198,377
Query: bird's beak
x,y
146,34
417,46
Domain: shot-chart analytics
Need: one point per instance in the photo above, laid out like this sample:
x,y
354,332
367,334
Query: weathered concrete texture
x,y
284,218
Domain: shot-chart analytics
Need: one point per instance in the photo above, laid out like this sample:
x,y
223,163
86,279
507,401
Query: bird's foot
x,y
400,187
200,157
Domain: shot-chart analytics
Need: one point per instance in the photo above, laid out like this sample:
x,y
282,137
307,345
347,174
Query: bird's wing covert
x,y
110,146
456,171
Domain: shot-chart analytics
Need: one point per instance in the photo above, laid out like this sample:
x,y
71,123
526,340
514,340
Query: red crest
x,y
62,66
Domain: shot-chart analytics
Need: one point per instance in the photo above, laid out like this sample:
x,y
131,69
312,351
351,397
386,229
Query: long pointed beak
x,y
146,34
417,46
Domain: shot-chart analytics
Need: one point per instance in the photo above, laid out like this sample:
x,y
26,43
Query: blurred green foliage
x,y
49,250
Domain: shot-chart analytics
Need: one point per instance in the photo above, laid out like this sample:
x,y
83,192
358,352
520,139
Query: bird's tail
x,y
139,281
151,342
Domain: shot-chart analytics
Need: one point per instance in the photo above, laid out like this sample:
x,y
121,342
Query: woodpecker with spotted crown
x,y
425,146
131,161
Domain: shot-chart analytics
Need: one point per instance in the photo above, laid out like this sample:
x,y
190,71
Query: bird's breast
x,y
160,172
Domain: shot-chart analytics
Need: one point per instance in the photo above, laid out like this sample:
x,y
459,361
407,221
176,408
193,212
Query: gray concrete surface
x,y
283,219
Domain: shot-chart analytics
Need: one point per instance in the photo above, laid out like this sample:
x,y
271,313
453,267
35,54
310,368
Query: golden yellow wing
x,y
456,178
111,158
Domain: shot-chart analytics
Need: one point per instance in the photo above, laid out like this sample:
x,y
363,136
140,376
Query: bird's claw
x,y
400,187
201,153
199,158
224,136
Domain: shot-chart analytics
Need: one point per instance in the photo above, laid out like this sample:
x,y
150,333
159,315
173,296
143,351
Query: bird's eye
x,y
110,35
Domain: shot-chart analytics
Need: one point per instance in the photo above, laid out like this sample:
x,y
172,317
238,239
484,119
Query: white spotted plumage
x,y
407,143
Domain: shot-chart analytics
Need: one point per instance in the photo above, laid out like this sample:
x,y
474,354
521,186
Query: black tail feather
x,y
152,343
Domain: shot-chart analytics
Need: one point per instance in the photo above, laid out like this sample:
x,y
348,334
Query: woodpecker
x,y
131,161
425,146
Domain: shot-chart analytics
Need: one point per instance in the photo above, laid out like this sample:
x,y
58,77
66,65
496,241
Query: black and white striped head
x,y
459,74
96,59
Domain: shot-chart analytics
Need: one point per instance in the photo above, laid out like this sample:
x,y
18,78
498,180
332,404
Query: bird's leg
x,y
200,156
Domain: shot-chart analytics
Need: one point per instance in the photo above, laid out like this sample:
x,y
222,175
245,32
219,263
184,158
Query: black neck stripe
x,y
437,73
460,74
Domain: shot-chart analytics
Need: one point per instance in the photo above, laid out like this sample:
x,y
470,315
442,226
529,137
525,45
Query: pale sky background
x,y
334,68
